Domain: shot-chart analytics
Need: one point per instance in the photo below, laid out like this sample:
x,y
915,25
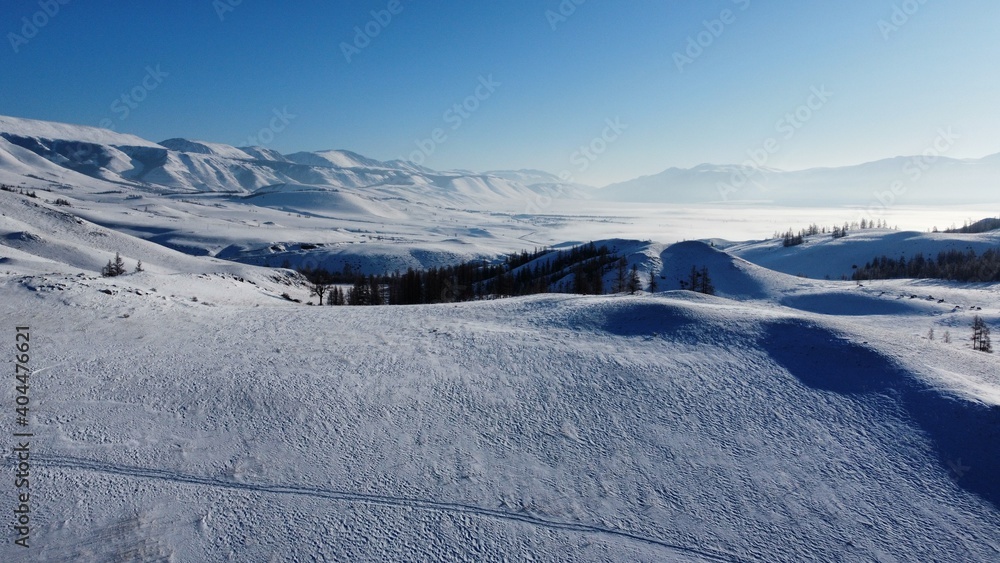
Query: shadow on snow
x,y
965,433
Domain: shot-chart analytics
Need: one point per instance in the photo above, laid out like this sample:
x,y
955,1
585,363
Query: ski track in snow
x,y
80,464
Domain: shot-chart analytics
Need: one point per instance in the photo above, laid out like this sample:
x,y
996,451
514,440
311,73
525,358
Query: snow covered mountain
x,y
915,180
59,153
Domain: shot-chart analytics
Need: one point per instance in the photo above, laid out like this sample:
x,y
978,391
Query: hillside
x,y
672,427
822,256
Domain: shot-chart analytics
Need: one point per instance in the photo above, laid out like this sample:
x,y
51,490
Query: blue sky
x,y
686,82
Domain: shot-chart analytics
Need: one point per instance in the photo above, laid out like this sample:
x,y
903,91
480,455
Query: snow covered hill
x,y
822,256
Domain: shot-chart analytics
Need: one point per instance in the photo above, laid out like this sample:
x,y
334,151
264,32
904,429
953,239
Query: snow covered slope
x,y
335,159
49,130
674,427
37,238
822,256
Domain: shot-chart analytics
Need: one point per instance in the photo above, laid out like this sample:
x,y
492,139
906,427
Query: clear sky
x,y
686,82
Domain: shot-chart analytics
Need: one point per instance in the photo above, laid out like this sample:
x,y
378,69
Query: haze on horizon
x,y
520,84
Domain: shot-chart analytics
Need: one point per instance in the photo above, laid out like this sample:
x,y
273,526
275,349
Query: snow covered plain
x,y
191,413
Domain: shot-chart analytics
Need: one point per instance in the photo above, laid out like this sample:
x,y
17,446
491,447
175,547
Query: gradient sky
x,y
560,80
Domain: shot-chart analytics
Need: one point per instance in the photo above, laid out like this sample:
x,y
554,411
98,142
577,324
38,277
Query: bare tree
x,y
319,289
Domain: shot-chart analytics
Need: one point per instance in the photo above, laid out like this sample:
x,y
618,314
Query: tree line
x,y
580,269
981,226
951,265
792,238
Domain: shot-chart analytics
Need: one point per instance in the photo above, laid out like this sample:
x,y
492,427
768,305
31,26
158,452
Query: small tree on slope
x,y
981,335
621,269
706,286
634,283
114,268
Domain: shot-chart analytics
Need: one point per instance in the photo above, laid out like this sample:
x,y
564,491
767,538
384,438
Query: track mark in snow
x,y
373,499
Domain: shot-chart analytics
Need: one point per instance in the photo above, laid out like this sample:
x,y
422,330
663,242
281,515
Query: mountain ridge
x,y
917,179
188,166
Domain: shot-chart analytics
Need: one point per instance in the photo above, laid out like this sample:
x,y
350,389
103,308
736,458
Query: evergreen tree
x,y
621,271
694,280
375,291
981,335
706,286
653,286
361,292
114,267
597,279
634,283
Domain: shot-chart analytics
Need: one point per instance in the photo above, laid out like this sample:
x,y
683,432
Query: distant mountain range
x,y
70,155
884,183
